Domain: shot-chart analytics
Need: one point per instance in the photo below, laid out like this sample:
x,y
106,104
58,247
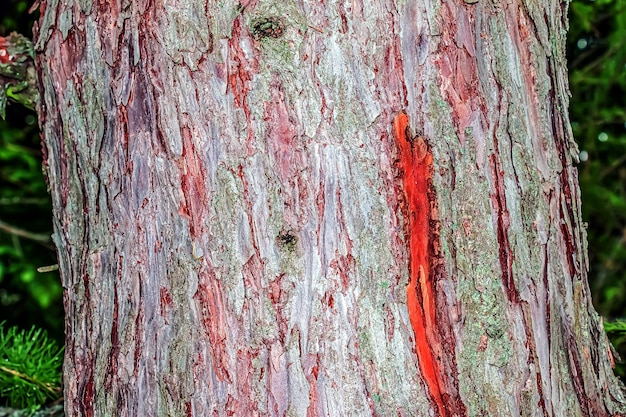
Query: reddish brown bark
x,y
247,223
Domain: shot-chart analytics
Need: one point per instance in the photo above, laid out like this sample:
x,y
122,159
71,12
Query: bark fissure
x,y
502,220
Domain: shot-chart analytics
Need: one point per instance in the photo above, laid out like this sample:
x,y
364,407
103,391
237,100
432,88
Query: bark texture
x,y
303,208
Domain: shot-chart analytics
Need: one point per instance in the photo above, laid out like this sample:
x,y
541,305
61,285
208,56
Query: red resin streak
x,y
416,167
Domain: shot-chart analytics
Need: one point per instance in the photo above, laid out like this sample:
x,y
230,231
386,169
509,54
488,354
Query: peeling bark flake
x,y
195,195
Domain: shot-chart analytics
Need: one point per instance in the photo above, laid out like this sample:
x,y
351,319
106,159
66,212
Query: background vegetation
x,y
27,297
597,65
597,61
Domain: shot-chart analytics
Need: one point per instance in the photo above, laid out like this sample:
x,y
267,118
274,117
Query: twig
x,y
315,28
48,268
14,201
38,237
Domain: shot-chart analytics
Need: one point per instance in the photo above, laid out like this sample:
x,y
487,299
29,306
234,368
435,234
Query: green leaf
x,y
30,368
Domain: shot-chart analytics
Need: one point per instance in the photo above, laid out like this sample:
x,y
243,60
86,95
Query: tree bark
x,y
300,208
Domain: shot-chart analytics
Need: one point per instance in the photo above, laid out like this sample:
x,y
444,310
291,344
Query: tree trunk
x,y
304,208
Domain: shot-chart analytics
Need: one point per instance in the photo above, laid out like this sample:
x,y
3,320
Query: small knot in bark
x,y
287,240
267,27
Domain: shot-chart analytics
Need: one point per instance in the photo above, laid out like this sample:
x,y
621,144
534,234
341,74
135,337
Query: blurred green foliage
x,y
15,17
597,65
27,297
